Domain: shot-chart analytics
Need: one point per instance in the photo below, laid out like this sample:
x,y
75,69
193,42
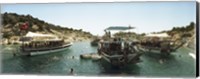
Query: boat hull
x,y
45,51
118,61
156,50
49,51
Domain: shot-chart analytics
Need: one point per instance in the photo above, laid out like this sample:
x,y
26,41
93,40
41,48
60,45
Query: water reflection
x,y
129,70
158,56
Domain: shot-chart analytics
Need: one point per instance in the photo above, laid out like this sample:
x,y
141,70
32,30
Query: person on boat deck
x,y
25,45
45,44
37,45
28,45
109,34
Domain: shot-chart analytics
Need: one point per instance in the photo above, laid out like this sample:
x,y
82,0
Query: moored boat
x,y
95,42
85,56
35,44
96,57
93,56
117,51
159,43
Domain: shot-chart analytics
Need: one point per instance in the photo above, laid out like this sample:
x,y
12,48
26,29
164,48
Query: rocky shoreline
x,y
11,32
6,41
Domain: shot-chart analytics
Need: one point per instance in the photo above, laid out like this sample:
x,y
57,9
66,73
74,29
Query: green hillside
x,y
12,21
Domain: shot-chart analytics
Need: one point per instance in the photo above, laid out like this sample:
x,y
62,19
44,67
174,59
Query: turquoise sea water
x,y
178,64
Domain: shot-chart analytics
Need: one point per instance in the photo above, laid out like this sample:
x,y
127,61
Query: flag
x,y
24,26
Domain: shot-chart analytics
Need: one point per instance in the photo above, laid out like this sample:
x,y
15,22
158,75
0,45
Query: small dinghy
x,y
85,56
95,57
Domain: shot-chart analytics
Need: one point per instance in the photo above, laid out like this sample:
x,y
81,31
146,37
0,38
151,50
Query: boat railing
x,y
48,47
121,55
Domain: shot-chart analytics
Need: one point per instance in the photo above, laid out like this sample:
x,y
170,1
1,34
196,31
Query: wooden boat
x,y
117,51
159,43
95,42
35,44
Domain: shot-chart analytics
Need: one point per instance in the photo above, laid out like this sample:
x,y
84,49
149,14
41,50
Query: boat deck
x,y
45,48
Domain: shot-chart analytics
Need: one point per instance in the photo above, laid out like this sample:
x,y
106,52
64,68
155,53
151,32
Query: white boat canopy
x,y
158,35
31,34
119,28
116,29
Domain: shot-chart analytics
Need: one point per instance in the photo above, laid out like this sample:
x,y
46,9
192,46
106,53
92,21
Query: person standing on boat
x,y
109,34
100,46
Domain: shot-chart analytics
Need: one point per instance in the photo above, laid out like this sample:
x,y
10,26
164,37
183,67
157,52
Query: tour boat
x,y
95,42
35,44
117,51
159,43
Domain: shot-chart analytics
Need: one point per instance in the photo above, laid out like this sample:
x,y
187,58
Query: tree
x,y
6,35
143,34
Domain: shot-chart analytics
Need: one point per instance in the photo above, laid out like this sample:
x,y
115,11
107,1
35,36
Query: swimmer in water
x,y
71,71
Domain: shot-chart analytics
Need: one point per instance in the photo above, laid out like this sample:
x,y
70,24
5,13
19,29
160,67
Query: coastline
x,y
14,42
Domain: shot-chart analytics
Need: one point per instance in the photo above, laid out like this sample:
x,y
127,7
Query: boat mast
x,y
129,33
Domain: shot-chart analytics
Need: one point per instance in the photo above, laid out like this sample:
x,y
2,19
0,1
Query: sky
x,y
146,17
